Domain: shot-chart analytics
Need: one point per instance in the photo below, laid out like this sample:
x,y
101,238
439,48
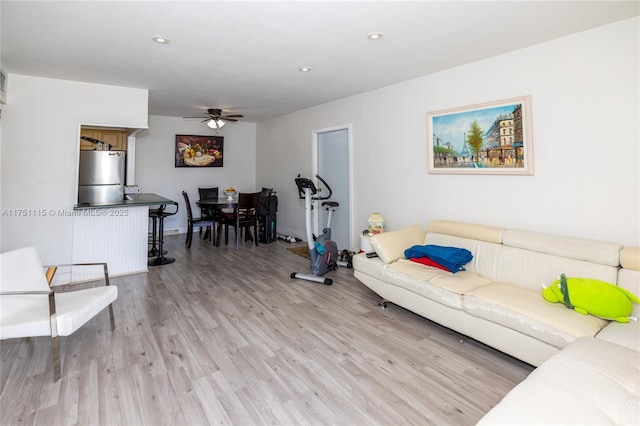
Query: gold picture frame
x,y
488,138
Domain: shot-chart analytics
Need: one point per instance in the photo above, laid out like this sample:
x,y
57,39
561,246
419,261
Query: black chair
x,y
159,215
205,212
154,215
244,218
192,222
205,194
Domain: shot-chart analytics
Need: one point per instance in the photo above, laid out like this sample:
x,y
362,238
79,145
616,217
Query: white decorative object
x,y
376,223
365,244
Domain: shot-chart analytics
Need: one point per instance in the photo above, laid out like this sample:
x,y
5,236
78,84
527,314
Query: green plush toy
x,y
595,297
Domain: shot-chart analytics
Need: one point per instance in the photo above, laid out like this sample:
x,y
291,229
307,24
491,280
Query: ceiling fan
x,y
216,119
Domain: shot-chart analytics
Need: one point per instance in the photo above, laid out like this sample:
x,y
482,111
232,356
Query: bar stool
x,y
154,215
161,259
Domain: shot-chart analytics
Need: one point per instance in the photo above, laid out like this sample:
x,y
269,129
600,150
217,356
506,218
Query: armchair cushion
x,y
21,271
27,315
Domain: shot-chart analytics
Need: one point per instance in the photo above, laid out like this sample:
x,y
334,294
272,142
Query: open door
x,y
332,162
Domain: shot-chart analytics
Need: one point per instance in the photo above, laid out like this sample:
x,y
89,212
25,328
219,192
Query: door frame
x,y
314,167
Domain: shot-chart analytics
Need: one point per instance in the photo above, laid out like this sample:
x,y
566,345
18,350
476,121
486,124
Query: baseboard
x,y
174,231
286,231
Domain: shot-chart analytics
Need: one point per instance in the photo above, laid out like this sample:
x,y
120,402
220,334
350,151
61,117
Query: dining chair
x,y
30,308
192,222
206,212
207,193
243,218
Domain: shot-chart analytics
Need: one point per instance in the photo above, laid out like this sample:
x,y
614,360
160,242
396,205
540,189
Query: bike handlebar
x,y
304,183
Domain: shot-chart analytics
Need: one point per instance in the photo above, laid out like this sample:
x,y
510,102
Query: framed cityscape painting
x,y
489,138
199,151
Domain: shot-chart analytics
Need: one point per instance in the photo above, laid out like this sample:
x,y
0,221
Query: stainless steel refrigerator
x,y
101,177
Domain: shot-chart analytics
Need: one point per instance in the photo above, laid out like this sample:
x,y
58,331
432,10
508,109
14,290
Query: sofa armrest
x,y
390,246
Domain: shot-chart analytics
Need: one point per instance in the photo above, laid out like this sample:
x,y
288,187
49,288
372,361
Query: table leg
x,y
237,229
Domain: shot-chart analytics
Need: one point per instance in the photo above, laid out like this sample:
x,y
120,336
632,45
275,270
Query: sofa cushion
x,y
589,382
467,230
370,266
532,269
390,246
525,310
433,283
630,279
630,258
603,252
624,334
485,254
627,335
522,266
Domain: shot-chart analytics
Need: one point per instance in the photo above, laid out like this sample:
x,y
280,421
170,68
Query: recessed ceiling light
x,y
375,36
304,69
160,39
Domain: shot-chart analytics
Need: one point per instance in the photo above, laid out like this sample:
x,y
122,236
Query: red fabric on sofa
x,y
428,262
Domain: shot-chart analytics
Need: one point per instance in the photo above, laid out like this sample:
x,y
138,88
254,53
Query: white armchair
x,y
29,307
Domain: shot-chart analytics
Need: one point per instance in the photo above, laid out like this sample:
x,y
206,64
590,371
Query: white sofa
x,y
498,301
595,380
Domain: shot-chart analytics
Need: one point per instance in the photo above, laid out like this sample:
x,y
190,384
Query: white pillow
x,y
390,246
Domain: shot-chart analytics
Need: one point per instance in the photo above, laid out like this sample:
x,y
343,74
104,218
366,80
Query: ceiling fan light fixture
x,y
215,124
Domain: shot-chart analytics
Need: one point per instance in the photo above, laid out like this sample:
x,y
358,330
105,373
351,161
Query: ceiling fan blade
x,y
234,116
228,119
193,117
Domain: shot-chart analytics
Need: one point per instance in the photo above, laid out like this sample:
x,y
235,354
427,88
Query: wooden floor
x,y
226,336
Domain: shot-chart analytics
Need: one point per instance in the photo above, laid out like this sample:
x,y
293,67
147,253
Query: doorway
x,y
332,161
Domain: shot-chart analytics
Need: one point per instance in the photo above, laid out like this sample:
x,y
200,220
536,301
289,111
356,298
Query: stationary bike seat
x,y
331,203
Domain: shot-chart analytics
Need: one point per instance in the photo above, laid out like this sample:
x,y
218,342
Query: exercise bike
x,y
323,252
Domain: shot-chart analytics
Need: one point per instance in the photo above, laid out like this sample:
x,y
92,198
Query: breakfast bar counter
x,y
113,232
129,200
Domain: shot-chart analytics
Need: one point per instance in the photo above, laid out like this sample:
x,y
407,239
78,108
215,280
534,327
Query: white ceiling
x,y
244,57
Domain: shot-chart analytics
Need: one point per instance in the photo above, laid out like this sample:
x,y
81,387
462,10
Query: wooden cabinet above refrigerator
x,y
117,138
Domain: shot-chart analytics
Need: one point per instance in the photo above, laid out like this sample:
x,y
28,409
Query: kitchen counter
x,y
115,232
132,200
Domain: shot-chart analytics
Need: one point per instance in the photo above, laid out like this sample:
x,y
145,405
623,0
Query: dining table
x,y
222,203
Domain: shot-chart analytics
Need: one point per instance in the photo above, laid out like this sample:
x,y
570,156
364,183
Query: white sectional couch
x,y
591,382
594,381
498,301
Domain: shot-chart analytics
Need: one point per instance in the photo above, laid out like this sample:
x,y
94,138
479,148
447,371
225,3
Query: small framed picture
x,y
199,151
489,138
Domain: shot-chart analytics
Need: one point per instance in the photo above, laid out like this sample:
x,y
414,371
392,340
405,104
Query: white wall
x,y
585,103
156,171
40,146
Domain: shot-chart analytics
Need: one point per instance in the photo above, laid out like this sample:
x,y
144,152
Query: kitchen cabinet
x,y
117,138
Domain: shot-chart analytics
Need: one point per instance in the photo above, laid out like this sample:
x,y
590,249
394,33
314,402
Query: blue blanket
x,y
452,258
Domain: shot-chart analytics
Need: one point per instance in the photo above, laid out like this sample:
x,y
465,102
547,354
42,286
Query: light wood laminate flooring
x,y
226,336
